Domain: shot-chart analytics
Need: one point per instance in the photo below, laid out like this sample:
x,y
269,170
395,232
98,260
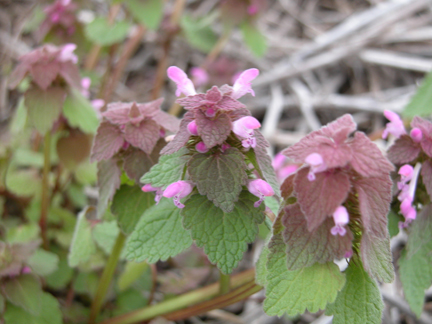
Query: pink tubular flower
x,y
416,134
150,188
192,128
316,163
260,188
199,76
66,53
243,85
282,168
244,127
178,190
406,196
395,127
184,84
406,173
341,218
201,147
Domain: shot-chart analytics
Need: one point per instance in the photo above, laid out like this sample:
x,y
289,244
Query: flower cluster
x,y
218,125
59,15
413,153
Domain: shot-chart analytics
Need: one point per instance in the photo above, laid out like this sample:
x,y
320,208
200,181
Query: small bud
x,y
192,128
341,218
210,112
260,188
225,147
184,84
416,134
178,190
243,85
201,147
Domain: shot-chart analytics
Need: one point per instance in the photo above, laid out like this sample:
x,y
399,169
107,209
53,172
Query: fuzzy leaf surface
x,y
320,198
223,235
24,291
82,246
304,247
426,172
182,136
219,176
129,204
168,170
359,301
108,182
44,107
107,142
80,113
158,235
213,131
403,150
143,136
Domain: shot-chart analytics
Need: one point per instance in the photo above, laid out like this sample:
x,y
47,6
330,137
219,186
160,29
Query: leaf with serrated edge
x,y
129,204
360,301
168,170
144,136
261,267
224,236
305,248
293,292
82,246
219,176
24,291
377,258
403,150
108,182
182,136
107,142
44,107
213,131
158,235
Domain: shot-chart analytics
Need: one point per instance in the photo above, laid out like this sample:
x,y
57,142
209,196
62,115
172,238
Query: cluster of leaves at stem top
x,y
217,171
335,206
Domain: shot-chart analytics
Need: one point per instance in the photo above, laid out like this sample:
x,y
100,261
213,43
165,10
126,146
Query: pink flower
x,y
150,188
66,53
395,127
243,85
406,196
244,127
85,86
261,189
416,134
199,76
178,190
282,168
406,172
184,84
201,147
316,163
341,218
192,128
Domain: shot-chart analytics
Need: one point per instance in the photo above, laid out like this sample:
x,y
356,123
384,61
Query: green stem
x,y
107,275
45,190
180,302
224,283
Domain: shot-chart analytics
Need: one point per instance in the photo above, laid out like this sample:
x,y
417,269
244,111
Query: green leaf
x,y
23,233
293,292
129,203
86,173
168,170
24,291
198,33
147,12
393,223
49,312
80,113
420,102
43,262
158,235
132,272
82,246
420,232
129,301
261,267
253,38
219,176
2,304
416,276
224,236
19,119
101,32
44,107
27,157
105,235
23,182
86,283
359,301
60,278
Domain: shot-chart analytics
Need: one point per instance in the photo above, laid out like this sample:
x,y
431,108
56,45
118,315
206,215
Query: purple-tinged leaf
x,y
264,162
376,256
230,104
238,113
136,163
182,136
44,107
339,129
144,136
374,195
118,113
287,187
426,128
14,256
150,108
69,71
304,247
108,141
219,176
213,95
191,102
426,173
18,74
108,182
167,121
213,131
74,148
367,158
404,150
320,198
44,73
